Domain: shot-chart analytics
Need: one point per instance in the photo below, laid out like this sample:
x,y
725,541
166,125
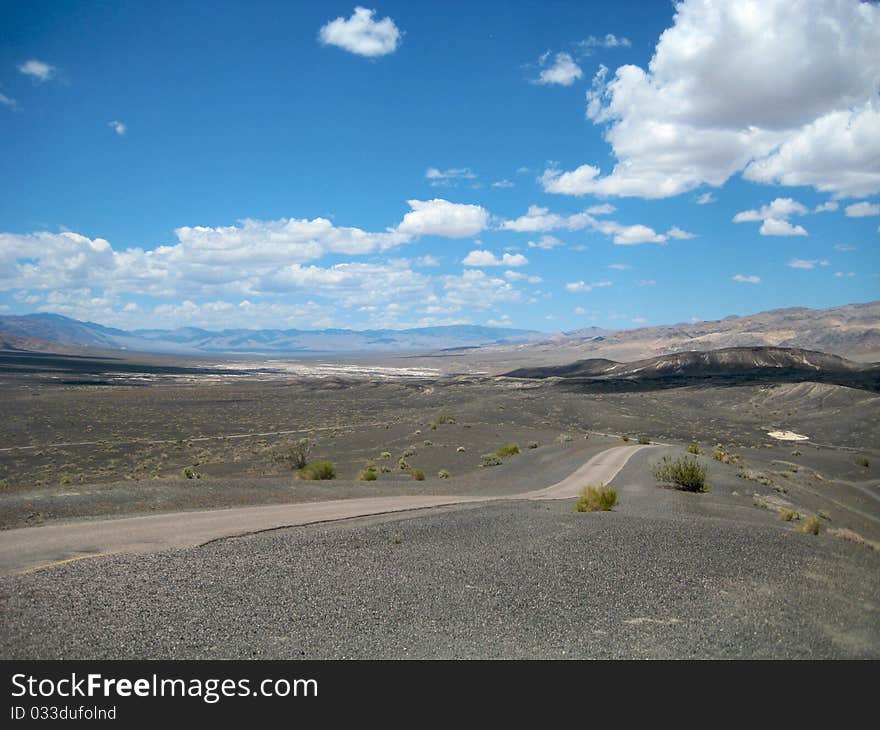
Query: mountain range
x,y
851,331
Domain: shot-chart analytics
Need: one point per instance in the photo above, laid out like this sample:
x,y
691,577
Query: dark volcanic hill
x,y
727,366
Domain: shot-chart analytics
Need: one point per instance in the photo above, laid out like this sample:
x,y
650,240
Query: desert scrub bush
x,y
862,460
596,499
297,453
694,449
685,472
409,451
190,473
443,474
564,438
624,438
317,470
644,440
490,460
428,442
385,455
810,526
789,515
533,445
508,450
402,464
442,419
366,475
460,450
418,475
385,469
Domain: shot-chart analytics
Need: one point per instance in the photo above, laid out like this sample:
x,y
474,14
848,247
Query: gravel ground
x,y
665,575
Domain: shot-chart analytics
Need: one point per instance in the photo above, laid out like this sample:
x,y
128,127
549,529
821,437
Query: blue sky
x,y
547,165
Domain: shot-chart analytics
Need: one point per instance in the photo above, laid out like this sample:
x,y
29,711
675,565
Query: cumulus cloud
x,y
609,41
38,70
578,287
705,199
779,227
439,217
361,34
784,92
807,263
678,234
603,209
562,72
8,101
826,207
487,258
117,127
774,217
476,289
539,219
503,184
519,276
862,210
619,267
450,177
844,247
743,279
545,242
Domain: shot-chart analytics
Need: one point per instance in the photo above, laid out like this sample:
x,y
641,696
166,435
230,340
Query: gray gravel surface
x,y
665,575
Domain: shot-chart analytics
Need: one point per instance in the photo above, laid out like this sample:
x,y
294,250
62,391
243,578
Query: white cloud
x,y
862,210
619,267
609,41
742,279
784,92
841,274
647,282
705,199
807,263
450,177
8,101
780,208
826,207
677,233
503,184
779,227
519,276
578,287
117,127
630,235
38,70
475,289
545,242
540,219
563,72
775,217
603,209
426,261
844,247
487,258
361,34
439,217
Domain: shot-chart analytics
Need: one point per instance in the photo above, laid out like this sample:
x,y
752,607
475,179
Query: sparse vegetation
x,y
190,473
490,460
385,455
460,450
417,474
366,475
624,438
685,472
427,442
861,460
596,499
533,445
810,526
443,418
402,464
694,449
317,470
508,450
852,536
443,474
297,453
644,440
789,515
564,438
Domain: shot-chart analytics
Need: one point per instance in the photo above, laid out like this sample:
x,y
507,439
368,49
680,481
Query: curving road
x,y
33,548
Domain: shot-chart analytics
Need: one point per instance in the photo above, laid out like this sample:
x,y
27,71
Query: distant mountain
x,y
191,340
733,365
851,331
